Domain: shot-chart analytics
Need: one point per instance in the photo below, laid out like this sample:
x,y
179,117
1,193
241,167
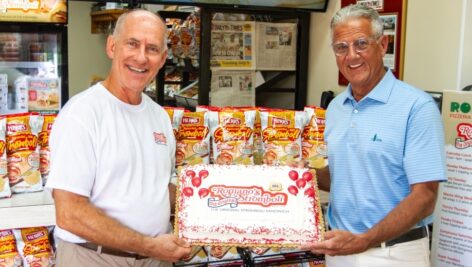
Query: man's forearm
x,y
415,207
77,215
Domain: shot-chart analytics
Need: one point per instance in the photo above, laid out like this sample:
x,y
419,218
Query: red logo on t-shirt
x,y
160,138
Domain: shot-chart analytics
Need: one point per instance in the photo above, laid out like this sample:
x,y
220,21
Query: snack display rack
x,y
260,261
27,210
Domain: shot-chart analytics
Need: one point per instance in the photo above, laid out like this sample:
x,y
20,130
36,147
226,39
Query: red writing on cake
x,y
253,195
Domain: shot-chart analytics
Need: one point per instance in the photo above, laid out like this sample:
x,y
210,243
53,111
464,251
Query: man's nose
x,y
351,51
141,54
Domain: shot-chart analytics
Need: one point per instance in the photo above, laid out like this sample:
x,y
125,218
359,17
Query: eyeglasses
x,y
360,45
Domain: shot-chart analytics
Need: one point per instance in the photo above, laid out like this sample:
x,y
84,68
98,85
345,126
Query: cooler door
x,y
33,69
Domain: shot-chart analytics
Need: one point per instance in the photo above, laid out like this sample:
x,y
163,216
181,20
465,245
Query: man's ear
x,y
384,44
110,47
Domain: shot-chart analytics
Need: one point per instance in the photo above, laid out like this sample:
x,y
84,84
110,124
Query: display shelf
x,y
27,210
104,20
27,64
247,260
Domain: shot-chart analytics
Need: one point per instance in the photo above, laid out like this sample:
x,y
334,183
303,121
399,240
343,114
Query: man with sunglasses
x,y
386,155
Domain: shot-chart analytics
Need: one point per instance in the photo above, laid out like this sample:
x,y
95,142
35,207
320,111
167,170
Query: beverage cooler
x,y
33,56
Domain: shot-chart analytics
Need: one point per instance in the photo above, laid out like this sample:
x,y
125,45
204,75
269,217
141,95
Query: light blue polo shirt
x,y
377,148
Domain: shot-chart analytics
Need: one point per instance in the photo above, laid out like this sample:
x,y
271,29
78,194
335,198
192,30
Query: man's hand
x,y
168,247
338,242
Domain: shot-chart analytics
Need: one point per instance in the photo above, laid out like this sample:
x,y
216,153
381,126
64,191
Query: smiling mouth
x,y
137,70
354,66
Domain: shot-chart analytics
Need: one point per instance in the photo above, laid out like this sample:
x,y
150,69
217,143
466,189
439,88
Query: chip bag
x,y
23,152
4,182
34,247
9,256
313,146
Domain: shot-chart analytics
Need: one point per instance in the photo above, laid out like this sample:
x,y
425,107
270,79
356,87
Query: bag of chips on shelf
x,y
23,152
9,256
232,136
4,182
43,142
313,145
193,139
281,136
175,114
35,247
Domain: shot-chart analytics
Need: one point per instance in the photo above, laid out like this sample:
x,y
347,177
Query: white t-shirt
x,y
120,156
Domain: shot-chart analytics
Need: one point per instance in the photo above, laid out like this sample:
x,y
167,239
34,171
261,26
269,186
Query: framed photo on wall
x,y
390,30
393,15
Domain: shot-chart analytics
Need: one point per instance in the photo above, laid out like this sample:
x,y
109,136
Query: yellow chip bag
x,y
23,152
9,256
4,182
232,136
34,247
281,136
43,142
193,140
313,146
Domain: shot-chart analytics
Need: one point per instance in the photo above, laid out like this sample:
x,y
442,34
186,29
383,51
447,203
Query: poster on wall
x,y
452,231
233,88
390,30
276,46
232,45
374,4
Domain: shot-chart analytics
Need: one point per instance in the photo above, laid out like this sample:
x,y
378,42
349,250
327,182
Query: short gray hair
x,y
121,21
359,11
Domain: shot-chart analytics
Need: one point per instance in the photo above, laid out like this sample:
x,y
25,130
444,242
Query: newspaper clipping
x,y
390,30
233,88
276,46
232,45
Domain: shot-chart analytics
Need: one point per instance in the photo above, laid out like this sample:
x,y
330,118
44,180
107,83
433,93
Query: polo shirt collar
x,y
381,91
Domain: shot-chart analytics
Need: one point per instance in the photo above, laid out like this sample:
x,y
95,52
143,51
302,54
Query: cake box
x,y
250,206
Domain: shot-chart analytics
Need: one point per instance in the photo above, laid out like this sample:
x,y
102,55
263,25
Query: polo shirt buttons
x,y
353,125
356,111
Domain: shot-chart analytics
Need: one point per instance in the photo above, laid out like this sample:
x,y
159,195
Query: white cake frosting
x,y
248,206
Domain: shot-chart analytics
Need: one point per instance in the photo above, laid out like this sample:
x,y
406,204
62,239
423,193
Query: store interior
x,y
433,55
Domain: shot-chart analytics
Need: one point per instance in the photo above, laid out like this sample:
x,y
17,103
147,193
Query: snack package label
x,y
23,152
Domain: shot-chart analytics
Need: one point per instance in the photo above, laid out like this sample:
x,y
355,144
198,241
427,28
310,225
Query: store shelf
x,y
27,64
27,210
104,20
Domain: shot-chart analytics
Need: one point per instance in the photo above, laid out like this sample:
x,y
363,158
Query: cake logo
x,y
464,133
221,195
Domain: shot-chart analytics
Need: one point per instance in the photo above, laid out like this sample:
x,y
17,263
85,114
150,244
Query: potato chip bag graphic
x,y
282,136
9,256
23,152
232,133
34,247
43,142
313,146
193,139
4,182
